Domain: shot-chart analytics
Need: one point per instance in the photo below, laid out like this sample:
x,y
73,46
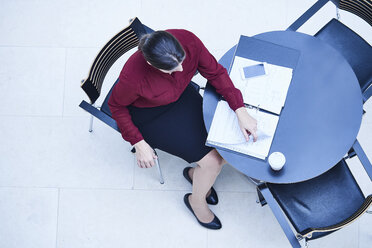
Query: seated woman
x,y
155,107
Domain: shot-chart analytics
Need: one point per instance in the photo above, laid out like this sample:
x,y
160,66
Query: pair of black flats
x,y
212,199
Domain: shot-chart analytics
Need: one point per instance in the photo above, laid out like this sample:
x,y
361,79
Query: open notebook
x,y
267,91
225,132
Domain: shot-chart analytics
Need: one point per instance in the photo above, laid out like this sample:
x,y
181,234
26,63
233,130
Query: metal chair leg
x,y
159,171
161,179
91,123
304,243
369,211
257,199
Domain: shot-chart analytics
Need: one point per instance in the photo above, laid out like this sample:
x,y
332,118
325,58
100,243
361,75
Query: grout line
x,y
134,170
359,220
207,238
57,47
115,189
53,116
27,187
46,116
59,191
64,85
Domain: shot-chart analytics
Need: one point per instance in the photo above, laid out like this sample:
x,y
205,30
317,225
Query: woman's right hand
x,y
247,123
145,154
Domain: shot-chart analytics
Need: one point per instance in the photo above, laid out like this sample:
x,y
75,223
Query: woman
x,y
155,107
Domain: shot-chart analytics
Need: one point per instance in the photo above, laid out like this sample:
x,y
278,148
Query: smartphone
x,y
253,71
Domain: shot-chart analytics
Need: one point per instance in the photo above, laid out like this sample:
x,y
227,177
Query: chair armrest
x,y
99,114
367,93
309,232
279,215
363,158
307,15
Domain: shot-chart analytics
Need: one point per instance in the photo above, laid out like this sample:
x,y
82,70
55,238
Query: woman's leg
x,y
203,176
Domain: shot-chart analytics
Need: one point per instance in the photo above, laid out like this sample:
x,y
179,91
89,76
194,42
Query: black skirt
x,y
177,128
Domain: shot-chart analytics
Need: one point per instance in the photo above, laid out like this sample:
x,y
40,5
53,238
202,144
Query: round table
x,y
321,117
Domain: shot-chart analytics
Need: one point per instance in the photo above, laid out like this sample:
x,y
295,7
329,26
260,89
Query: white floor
x,y
61,186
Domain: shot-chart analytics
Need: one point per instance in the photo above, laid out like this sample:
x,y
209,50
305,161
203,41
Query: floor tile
x,y
75,24
365,231
212,21
60,152
32,81
245,223
344,238
28,217
90,23
31,23
127,218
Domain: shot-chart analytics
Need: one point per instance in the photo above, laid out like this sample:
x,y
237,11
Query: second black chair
x,y
319,206
353,47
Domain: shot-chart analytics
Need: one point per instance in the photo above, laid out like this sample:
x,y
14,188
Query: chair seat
x,y
353,47
320,202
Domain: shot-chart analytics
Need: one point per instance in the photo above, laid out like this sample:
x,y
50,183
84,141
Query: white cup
x,y
276,160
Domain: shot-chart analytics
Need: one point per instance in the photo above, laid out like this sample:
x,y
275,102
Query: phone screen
x,y
254,70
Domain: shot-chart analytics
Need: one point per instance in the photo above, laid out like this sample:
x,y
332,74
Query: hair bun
x,y
162,50
143,40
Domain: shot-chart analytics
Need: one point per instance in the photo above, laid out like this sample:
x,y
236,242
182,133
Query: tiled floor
x,y
61,186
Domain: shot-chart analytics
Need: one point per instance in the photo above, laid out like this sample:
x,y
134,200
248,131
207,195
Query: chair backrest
x,y
361,8
122,42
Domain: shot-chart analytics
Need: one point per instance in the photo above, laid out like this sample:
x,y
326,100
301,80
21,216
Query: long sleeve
x,y
123,94
218,77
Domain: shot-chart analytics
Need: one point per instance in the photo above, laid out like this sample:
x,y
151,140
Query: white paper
x,y
225,131
267,92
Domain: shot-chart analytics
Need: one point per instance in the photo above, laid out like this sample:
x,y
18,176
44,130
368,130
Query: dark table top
x,y
321,117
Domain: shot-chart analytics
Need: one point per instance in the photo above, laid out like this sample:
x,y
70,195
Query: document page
x,y
268,91
225,131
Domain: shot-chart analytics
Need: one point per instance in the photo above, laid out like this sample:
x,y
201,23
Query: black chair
x,y
354,48
121,43
319,206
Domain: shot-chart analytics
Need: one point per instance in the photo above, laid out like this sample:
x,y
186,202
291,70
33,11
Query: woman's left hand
x,y
248,124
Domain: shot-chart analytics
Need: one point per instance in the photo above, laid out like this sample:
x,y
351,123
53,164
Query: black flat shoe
x,y
212,199
214,224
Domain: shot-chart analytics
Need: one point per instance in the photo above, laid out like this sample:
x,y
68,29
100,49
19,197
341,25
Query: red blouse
x,y
142,85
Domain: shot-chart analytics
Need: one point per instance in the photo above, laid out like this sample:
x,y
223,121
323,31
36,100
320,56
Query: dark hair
x,y
162,50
